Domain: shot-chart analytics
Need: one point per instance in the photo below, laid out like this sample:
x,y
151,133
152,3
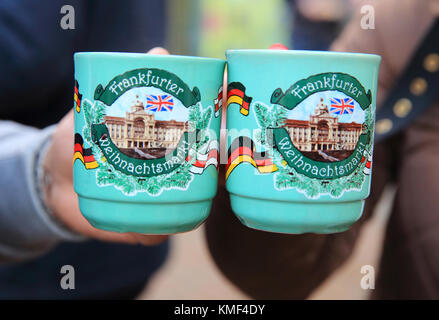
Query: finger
x,y
158,50
67,120
278,46
64,204
225,88
148,240
58,158
129,238
223,125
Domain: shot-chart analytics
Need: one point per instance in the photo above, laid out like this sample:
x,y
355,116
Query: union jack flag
x,y
157,103
342,106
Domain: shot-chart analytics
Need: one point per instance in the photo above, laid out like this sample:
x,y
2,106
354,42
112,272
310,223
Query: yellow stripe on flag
x,y
267,169
88,165
238,160
246,158
78,155
91,165
235,99
240,101
243,111
77,102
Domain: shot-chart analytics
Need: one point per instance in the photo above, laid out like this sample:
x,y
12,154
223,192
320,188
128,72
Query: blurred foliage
x,y
209,27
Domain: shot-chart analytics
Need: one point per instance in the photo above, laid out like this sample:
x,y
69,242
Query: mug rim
x,y
115,54
316,53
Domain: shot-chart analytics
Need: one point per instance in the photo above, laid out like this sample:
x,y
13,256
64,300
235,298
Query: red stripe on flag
x,y
264,162
212,154
77,148
89,158
235,92
246,151
241,151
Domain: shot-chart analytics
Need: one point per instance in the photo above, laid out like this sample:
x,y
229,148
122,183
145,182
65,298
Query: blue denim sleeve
x,y
26,228
36,67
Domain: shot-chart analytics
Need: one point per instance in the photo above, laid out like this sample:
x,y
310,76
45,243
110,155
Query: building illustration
x,y
139,130
323,132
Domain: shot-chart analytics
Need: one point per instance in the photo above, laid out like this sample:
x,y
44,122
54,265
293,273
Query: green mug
x,y
300,138
146,140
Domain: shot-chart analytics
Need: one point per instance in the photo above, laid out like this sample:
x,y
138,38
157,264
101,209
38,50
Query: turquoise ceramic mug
x,y
146,140
300,138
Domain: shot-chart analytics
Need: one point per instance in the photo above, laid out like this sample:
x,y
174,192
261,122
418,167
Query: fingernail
x,y
158,50
278,46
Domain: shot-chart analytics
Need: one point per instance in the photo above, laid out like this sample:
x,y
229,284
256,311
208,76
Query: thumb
x,y
158,50
278,46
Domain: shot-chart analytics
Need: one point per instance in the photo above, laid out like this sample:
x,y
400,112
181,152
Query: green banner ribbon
x,y
318,169
341,82
161,79
139,167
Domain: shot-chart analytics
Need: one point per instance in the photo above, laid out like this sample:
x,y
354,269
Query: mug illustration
x,y
147,132
316,136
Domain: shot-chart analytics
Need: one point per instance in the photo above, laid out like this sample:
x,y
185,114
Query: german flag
x,y
77,97
218,102
368,167
208,158
236,94
85,155
242,150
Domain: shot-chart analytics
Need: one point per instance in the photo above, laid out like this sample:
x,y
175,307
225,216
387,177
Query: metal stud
x,y
418,86
431,62
383,126
402,107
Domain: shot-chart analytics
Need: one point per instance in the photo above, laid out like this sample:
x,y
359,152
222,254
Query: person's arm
x,y
27,229
36,69
35,215
399,28
268,265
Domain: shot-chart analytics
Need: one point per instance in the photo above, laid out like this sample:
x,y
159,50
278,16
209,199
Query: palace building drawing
x,y
323,132
140,130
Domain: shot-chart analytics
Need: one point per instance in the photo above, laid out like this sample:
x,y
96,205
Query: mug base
x,y
144,218
296,217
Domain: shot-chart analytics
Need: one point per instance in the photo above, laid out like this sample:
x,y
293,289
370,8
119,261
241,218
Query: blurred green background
x,y
209,27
